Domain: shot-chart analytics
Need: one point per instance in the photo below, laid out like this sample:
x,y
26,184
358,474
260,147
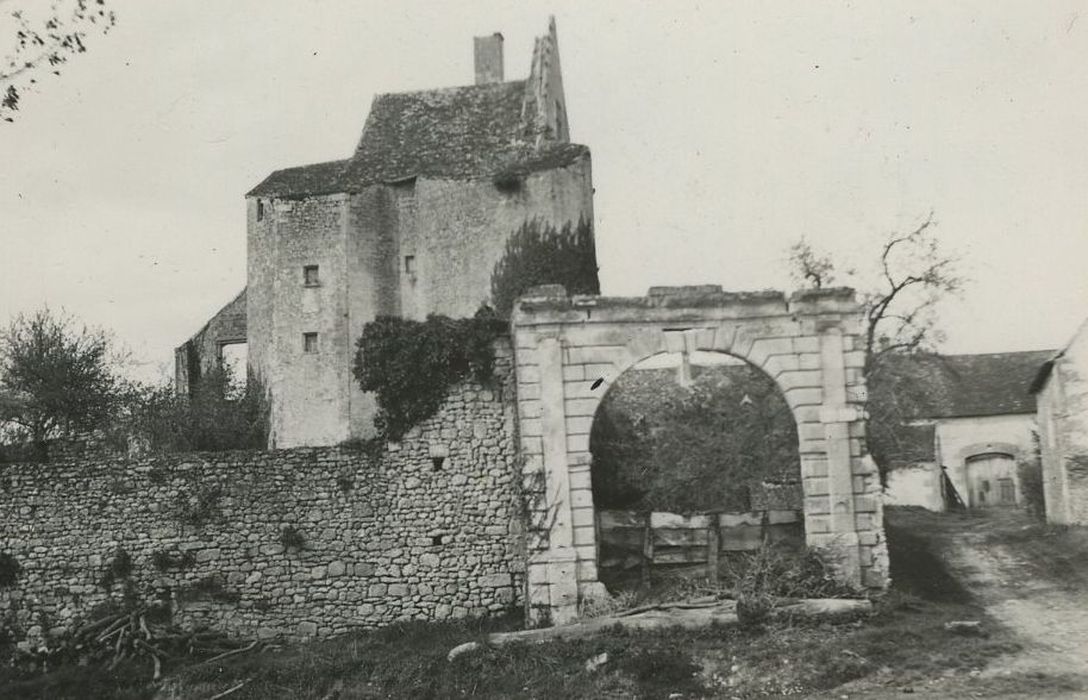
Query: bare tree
x,y
45,43
913,275
809,267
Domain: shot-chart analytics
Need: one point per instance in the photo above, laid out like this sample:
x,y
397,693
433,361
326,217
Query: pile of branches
x,y
136,633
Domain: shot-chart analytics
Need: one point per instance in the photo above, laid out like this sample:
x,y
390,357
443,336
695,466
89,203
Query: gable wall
x,y
1063,433
961,438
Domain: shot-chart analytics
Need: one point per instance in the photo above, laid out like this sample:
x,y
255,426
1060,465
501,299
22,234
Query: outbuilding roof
x,y
955,386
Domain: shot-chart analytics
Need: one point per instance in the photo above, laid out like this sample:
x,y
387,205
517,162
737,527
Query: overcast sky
x,y
720,133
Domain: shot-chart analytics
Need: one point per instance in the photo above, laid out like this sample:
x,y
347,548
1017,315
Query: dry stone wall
x,y
426,529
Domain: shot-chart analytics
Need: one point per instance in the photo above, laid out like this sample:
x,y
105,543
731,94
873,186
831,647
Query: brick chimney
x,y
488,50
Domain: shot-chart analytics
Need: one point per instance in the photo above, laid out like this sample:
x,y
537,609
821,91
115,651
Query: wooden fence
x,y
646,540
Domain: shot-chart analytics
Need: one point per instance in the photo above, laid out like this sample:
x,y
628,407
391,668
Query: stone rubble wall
x,y
427,530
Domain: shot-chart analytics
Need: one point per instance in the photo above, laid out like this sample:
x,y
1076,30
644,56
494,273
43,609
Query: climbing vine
x,y
539,253
411,365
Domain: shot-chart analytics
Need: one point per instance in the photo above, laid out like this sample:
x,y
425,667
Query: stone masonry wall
x,y
1062,404
426,530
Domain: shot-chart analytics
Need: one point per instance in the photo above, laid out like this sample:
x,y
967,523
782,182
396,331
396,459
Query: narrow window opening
x,y
309,342
438,462
311,276
410,264
436,539
260,210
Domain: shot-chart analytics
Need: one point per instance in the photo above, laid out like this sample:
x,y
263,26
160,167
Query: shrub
x,y
9,570
219,414
119,568
164,560
754,609
781,571
291,538
200,509
657,445
210,588
1031,487
411,365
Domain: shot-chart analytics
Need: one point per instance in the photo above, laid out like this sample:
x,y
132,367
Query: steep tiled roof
x,y
461,132
993,384
454,132
319,178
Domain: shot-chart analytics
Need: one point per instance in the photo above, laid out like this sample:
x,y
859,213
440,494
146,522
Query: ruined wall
x,y
1063,433
391,538
201,353
309,389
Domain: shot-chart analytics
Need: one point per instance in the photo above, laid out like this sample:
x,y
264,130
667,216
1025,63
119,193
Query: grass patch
x,y
1057,553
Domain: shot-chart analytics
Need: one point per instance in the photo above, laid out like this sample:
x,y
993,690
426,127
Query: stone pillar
x,y
560,558
836,417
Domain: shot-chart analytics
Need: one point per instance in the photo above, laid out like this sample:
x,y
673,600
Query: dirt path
x,y
1031,579
1006,568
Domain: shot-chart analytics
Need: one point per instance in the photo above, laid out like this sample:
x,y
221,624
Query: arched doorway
x,y
568,351
991,480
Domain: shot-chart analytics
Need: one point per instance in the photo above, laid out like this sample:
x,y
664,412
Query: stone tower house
x,y
412,223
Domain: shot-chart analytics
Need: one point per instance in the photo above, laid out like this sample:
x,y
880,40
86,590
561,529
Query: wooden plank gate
x,y
646,540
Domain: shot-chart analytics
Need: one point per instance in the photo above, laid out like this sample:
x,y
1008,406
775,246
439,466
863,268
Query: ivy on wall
x,y
411,365
539,253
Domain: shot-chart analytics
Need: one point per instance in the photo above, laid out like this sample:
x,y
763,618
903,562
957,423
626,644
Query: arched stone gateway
x,y
568,351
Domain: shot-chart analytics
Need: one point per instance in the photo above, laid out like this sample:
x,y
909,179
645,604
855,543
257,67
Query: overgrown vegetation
x,y
118,568
199,508
165,560
212,587
292,538
661,446
220,414
411,365
9,569
539,253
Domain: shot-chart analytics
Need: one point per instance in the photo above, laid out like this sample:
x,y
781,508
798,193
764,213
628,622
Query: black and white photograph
x,y
544,349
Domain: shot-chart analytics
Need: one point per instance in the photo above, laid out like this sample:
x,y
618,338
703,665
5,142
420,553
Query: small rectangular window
x,y
309,342
310,276
260,210
410,264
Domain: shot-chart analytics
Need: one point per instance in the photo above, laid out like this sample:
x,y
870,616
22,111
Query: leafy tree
x,y
45,43
56,377
661,446
913,275
537,254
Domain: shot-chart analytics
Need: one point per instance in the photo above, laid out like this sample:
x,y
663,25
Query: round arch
x,y
570,350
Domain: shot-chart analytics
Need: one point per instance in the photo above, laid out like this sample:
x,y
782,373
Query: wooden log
x,y
722,613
